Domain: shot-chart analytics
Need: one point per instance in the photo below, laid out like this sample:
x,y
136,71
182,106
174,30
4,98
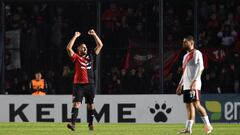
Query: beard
x,y
186,48
82,53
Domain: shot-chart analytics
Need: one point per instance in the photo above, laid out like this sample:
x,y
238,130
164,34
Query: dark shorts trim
x,y
191,96
84,90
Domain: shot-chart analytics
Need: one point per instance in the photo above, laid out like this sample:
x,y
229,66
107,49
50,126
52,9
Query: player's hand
x,y
193,85
179,90
77,34
91,32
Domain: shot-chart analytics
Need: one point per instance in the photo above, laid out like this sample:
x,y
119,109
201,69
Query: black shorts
x,y
191,96
84,90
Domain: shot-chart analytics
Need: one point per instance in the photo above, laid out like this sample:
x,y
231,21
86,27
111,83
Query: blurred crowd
x,y
47,27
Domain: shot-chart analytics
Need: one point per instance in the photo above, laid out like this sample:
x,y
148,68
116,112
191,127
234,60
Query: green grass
x,y
111,129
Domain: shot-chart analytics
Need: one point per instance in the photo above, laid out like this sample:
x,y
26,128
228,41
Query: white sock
x,y
186,125
206,121
190,124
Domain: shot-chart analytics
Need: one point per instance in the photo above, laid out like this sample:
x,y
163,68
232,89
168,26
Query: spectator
x,y
114,85
237,16
141,81
203,10
234,79
169,85
230,20
206,83
213,22
224,81
64,82
227,35
133,79
110,17
124,82
222,13
38,85
215,84
15,86
51,79
189,18
203,39
25,84
155,82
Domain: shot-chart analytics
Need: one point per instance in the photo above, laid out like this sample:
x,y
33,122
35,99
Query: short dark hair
x,y
189,38
38,72
81,43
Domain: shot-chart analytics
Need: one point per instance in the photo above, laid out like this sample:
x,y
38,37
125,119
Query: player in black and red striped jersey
x,y
83,83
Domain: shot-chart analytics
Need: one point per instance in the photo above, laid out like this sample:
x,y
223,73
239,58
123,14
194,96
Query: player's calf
x,y
71,126
90,127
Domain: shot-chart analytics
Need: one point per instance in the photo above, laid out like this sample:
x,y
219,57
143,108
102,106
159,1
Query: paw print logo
x,y
160,113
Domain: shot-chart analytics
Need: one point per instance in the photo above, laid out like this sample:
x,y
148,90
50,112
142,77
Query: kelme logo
x,y
214,107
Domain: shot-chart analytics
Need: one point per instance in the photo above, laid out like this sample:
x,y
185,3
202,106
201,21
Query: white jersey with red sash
x,y
192,69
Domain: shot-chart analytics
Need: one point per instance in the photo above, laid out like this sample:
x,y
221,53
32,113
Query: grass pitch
x,y
111,129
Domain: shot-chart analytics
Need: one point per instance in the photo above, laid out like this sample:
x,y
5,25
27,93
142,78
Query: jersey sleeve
x,y
201,61
196,57
198,61
74,57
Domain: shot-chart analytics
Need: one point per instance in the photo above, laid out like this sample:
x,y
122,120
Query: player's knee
x,y
90,106
188,105
197,106
76,104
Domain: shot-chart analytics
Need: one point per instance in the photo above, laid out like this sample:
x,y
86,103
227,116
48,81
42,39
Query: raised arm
x,y
71,43
97,40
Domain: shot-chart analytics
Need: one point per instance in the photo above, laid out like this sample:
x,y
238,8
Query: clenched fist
x,y
77,34
91,32
179,90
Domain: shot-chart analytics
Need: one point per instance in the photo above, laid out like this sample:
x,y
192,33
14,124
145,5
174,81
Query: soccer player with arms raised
x,y
191,84
83,83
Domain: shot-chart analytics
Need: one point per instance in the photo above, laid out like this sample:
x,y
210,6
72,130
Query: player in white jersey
x,y
190,85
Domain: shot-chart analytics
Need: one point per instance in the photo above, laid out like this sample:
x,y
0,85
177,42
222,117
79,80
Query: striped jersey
x,y
192,66
83,69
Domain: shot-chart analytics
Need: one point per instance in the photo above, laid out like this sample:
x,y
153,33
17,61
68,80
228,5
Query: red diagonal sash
x,y
188,58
